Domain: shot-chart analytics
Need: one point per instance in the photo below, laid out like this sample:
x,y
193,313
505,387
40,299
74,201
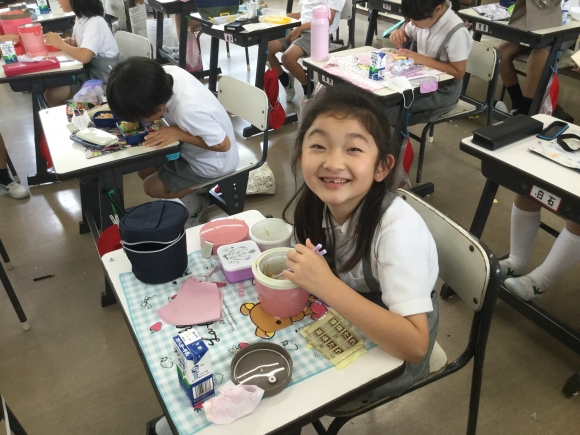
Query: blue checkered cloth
x,y
224,337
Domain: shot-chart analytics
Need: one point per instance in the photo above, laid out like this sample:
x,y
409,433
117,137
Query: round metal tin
x,y
265,365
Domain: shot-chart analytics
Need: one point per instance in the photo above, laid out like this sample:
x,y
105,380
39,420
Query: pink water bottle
x,y
319,40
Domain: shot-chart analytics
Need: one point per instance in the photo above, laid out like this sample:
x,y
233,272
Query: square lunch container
x,y
237,259
105,122
134,139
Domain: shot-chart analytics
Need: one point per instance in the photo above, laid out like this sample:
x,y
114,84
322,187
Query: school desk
x,y
549,38
296,406
244,38
387,96
36,84
51,22
97,175
557,187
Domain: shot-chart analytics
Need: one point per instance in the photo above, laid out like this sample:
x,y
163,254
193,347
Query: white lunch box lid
x,y
238,256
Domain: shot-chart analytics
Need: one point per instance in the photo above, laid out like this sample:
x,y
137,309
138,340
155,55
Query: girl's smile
x,y
339,163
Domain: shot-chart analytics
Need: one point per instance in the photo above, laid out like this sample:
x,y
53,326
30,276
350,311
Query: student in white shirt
x,y
297,44
140,89
380,251
443,43
91,43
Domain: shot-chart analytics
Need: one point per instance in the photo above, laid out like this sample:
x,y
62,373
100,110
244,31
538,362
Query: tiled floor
x,y
77,370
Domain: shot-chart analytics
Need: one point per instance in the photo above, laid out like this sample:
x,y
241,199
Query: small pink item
x,y
224,232
195,302
426,88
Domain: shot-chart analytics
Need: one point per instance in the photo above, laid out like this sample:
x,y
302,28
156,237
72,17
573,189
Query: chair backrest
x,y
463,263
131,45
483,61
347,12
244,100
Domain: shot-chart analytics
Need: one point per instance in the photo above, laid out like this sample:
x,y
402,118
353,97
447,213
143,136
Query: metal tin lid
x,y
265,365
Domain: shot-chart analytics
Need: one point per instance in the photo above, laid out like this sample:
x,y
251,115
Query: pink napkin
x,y
195,302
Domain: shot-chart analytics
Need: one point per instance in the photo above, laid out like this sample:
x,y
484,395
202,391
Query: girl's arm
x,y
406,338
10,37
455,69
83,55
167,135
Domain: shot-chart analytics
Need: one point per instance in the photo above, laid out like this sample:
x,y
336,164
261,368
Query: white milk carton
x,y
377,65
193,367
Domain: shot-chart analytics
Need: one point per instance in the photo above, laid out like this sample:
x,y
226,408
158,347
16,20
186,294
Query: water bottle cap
x,y
321,11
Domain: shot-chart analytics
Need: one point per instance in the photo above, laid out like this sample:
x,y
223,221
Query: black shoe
x,y
561,114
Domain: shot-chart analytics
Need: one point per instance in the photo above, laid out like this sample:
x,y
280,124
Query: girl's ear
x,y
385,166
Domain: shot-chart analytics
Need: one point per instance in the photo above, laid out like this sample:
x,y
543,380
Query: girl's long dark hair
x,y
87,8
341,103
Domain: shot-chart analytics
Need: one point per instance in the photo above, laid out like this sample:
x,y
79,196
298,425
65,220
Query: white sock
x,y
564,254
523,232
162,427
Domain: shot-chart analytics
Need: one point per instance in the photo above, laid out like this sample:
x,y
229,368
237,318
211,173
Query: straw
x,y
316,249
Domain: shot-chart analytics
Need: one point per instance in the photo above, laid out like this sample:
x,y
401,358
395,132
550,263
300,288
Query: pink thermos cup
x,y
319,33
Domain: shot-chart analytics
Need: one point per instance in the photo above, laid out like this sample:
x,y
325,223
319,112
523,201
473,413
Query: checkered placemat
x,y
243,322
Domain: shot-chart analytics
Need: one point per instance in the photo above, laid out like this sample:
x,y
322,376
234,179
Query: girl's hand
x,y
418,58
68,40
398,37
294,34
163,137
55,40
10,37
309,270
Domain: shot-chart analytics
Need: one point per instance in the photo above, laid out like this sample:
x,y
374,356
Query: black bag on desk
x,y
509,131
153,237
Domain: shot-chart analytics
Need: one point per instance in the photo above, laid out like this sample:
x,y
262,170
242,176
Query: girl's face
x,y
429,22
65,5
338,163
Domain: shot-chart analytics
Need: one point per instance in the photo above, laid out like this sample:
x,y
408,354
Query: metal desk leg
x,y
483,208
213,64
42,175
89,189
545,77
15,426
183,30
11,294
159,16
373,15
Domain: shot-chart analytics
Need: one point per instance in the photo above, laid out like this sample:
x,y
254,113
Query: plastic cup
x,y
271,233
278,297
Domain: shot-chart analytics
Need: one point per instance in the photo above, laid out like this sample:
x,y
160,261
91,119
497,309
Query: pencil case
x,y
506,132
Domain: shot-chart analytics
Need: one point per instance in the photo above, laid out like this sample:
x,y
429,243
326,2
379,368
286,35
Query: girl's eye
x,y
317,147
354,150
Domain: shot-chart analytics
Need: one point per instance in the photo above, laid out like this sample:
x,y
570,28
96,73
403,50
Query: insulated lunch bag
x,y
153,237
215,8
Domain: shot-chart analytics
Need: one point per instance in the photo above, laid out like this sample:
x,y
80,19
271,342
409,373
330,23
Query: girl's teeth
x,y
334,181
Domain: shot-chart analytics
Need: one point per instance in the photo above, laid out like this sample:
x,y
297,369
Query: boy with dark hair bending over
x,y
140,89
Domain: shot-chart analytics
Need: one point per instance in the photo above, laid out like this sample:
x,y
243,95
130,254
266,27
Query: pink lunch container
x,y
32,39
237,259
223,232
279,297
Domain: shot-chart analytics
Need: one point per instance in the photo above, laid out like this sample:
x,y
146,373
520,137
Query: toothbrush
x,y
316,249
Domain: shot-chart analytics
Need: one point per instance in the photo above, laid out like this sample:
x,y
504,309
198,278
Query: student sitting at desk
x,y
140,89
297,44
92,43
381,254
15,190
443,43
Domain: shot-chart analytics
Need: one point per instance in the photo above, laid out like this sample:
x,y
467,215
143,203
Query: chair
x,y
483,62
12,424
349,14
131,45
10,290
472,270
250,104
12,168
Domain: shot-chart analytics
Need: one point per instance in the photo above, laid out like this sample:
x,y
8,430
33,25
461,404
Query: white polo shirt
x,y
94,34
429,40
194,109
308,6
407,264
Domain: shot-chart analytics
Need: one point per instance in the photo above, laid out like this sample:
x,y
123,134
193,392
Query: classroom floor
x,y
77,370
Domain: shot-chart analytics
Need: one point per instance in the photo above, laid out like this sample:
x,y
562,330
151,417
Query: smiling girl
x,y
92,43
383,260
443,43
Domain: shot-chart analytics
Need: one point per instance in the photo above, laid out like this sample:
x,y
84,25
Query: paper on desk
x,y
554,152
494,12
195,303
252,27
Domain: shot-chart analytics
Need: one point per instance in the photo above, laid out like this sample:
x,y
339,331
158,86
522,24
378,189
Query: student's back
x,y
190,107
